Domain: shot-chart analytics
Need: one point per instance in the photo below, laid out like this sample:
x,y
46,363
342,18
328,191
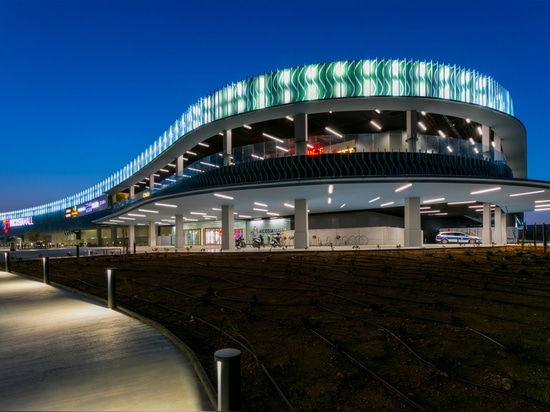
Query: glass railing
x,y
329,144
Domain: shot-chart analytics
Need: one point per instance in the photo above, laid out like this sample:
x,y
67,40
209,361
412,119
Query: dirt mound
x,y
460,329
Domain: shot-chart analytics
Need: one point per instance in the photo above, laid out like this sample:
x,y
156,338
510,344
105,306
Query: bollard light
x,y
46,269
228,367
7,260
111,288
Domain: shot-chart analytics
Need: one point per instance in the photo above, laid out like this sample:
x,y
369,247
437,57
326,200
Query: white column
x,y
498,143
131,237
300,134
152,182
179,165
228,226
413,232
132,191
486,237
412,132
301,224
152,234
497,238
227,147
179,232
486,140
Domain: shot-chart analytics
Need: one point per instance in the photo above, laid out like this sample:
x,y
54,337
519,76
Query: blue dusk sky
x,y
87,85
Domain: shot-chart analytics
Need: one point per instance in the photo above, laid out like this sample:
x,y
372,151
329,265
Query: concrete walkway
x,y
60,351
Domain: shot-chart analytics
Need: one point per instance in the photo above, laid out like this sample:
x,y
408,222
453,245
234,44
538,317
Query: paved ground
x,y
60,351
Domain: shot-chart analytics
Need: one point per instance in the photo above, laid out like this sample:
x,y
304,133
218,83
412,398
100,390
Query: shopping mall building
x,y
387,152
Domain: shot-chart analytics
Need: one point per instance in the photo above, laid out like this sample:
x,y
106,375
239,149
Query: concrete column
x,y
412,130
227,147
98,235
497,238
179,165
152,182
179,232
131,237
300,134
301,224
498,154
486,140
152,234
113,234
486,237
228,241
132,190
413,232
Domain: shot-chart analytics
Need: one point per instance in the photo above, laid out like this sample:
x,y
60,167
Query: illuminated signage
x,y
88,207
15,222
6,224
146,194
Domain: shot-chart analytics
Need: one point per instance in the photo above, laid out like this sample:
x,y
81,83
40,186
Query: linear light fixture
x,y
542,201
526,193
260,204
542,209
164,171
208,164
198,213
148,211
288,205
493,189
330,189
422,126
399,189
247,127
387,204
257,209
289,118
439,199
223,196
191,153
171,165
245,216
464,202
449,149
217,209
375,125
127,218
203,144
257,157
329,200
343,204
195,170
282,148
374,200
328,129
272,214
429,211
273,137
165,205
136,215
441,133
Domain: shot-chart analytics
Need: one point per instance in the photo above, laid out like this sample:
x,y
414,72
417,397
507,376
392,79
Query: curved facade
x,y
357,124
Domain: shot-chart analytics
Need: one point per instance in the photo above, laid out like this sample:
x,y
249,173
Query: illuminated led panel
x,y
322,81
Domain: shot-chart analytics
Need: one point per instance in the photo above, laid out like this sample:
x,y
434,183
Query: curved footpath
x,y
62,351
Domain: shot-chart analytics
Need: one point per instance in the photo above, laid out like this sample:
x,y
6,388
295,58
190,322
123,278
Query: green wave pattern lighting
x,y
322,81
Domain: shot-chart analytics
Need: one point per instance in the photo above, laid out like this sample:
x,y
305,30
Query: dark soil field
x,y
450,329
